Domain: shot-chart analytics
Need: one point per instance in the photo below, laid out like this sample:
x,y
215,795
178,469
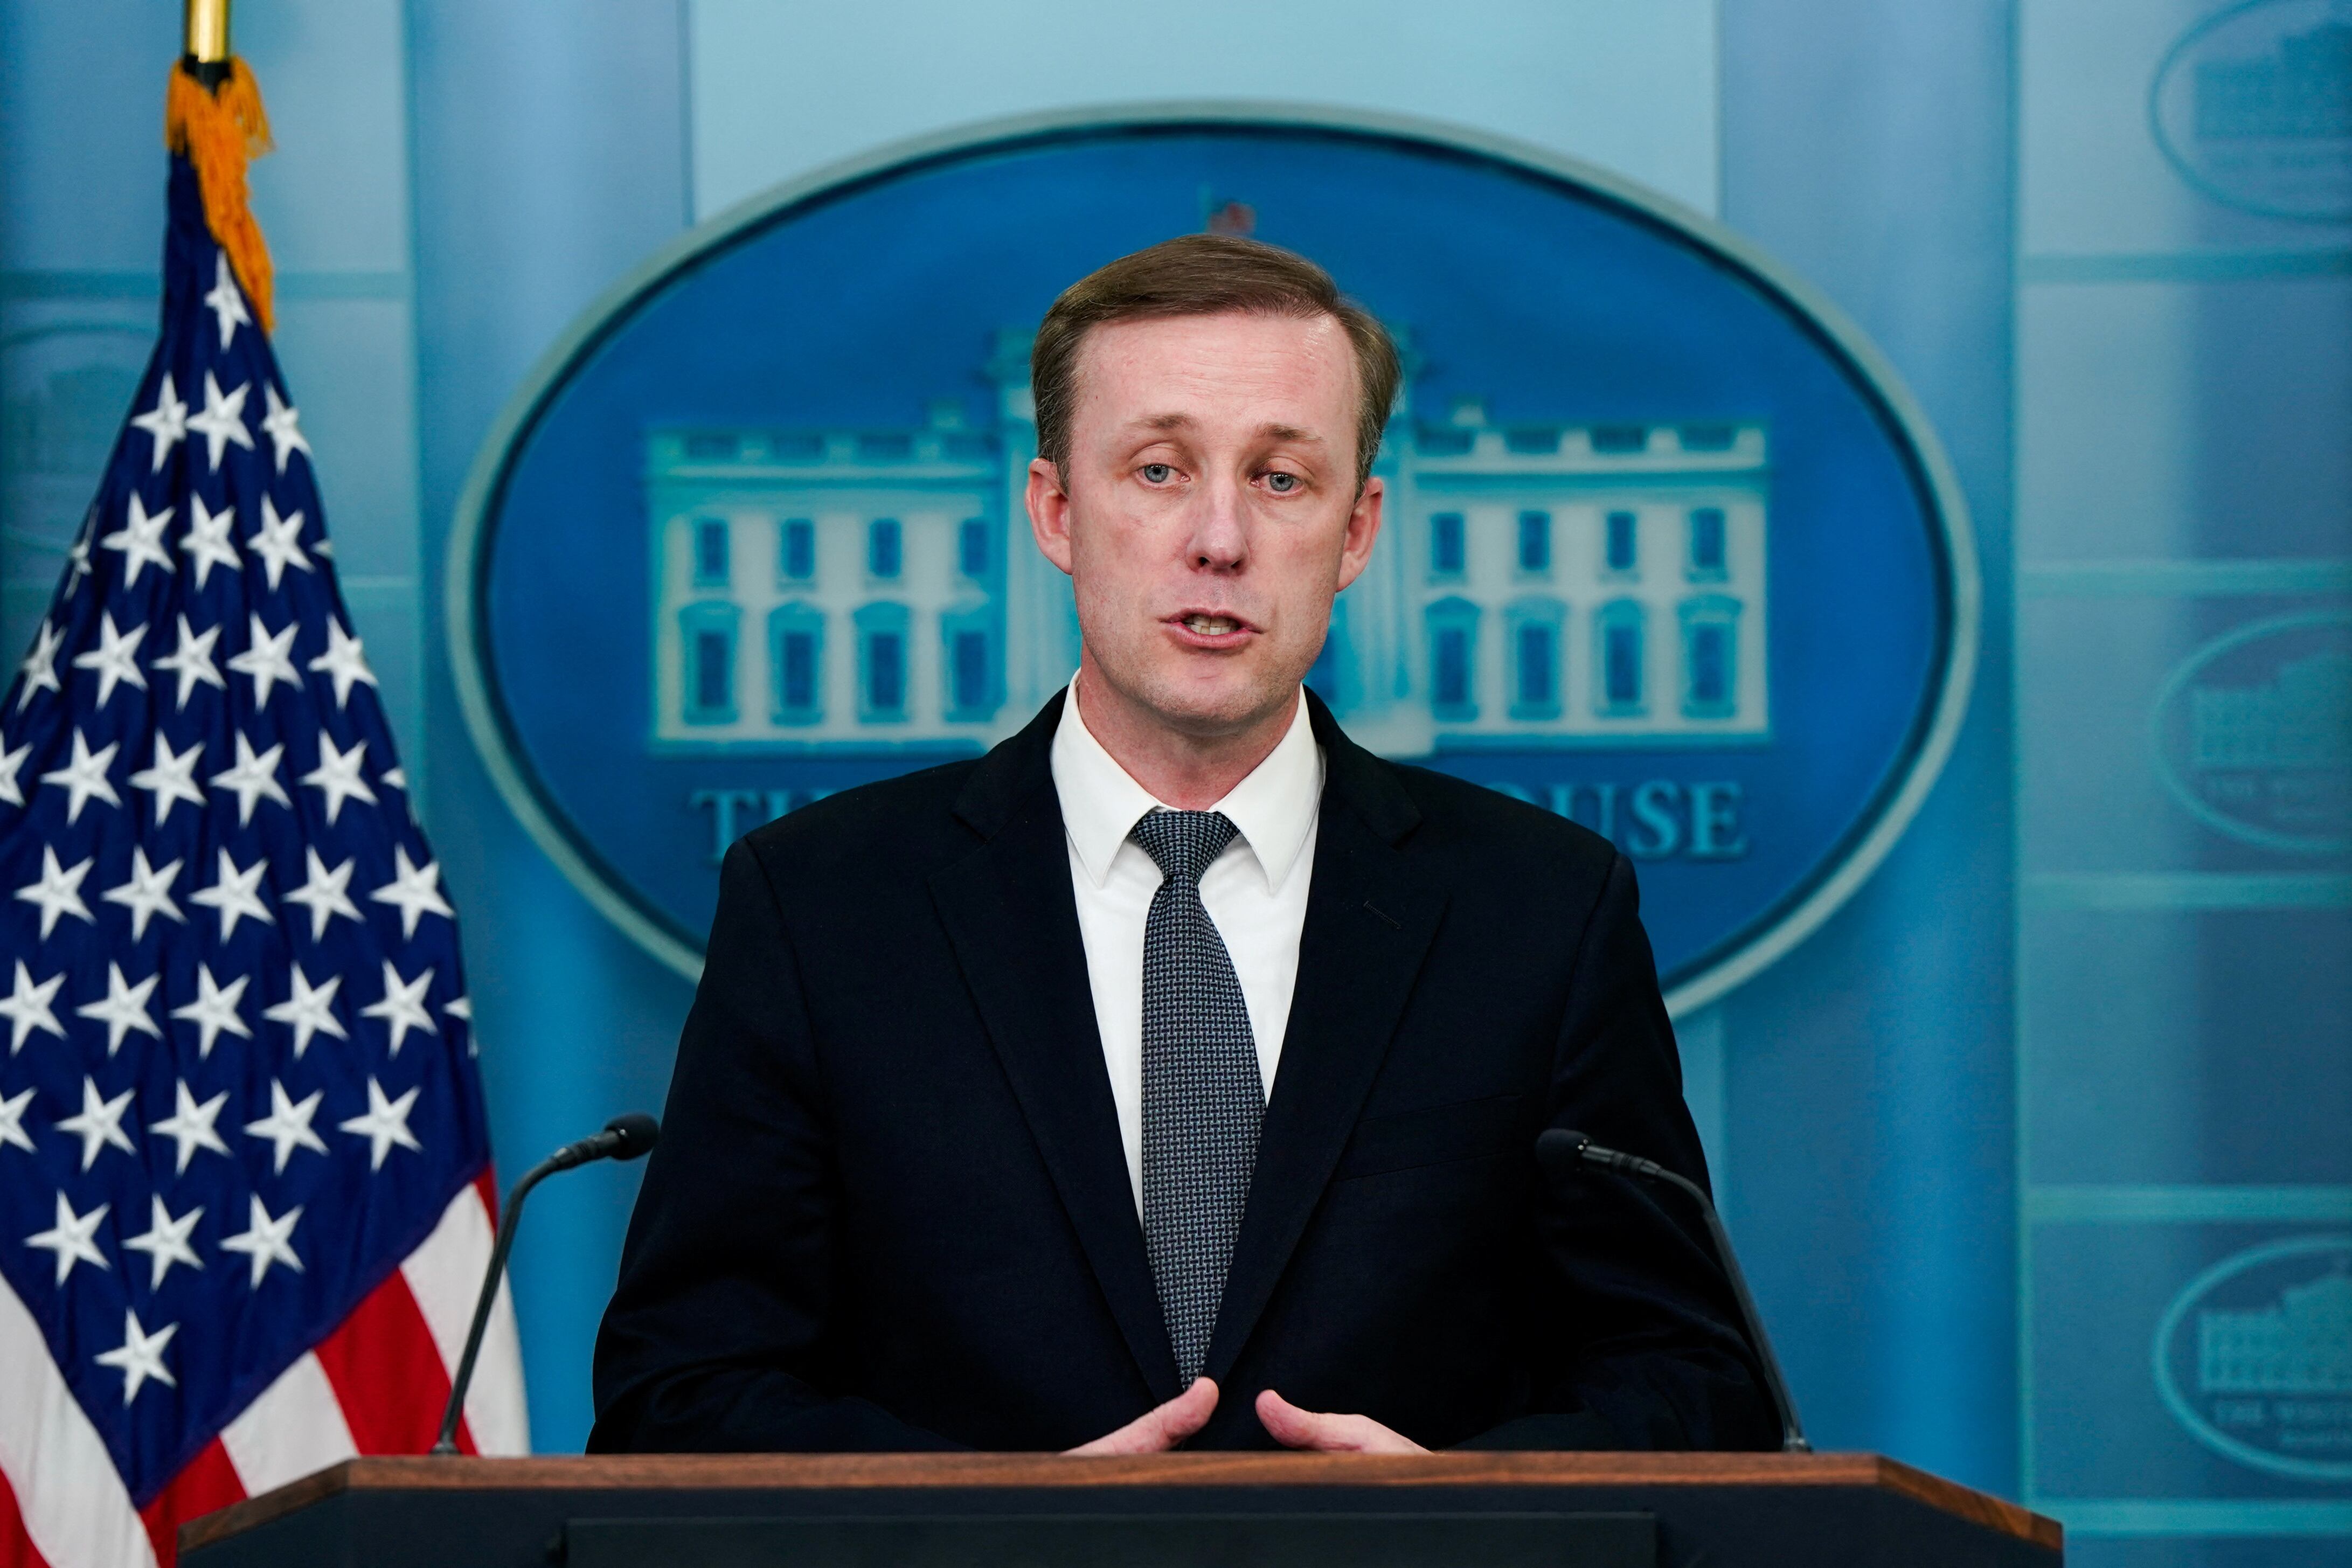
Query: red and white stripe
x,y
375,1385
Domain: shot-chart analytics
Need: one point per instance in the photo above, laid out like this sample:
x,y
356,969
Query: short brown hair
x,y
1205,274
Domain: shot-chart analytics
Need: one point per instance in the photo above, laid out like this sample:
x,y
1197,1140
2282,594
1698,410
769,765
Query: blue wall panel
x,y
2184,659
1870,1100
551,158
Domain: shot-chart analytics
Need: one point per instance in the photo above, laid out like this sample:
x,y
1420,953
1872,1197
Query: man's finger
x,y
1162,1426
1288,1424
1184,1415
1323,1431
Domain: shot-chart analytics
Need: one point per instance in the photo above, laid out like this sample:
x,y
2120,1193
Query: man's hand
x,y
1326,1434
1163,1426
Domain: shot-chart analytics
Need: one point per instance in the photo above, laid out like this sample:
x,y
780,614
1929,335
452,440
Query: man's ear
x,y
1364,527
1049,512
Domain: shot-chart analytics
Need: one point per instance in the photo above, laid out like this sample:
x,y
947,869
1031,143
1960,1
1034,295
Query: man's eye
x,y
1283,484
1157,473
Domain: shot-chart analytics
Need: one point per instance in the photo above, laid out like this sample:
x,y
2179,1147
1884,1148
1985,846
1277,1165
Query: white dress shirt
x,y
1254,891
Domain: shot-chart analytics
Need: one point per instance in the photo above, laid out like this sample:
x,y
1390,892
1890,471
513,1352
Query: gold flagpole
x,y
206,33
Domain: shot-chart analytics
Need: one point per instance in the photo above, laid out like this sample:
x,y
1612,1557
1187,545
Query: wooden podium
x,y
1164,1511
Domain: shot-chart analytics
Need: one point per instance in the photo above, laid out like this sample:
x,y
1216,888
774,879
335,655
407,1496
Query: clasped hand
x,y
1160,1428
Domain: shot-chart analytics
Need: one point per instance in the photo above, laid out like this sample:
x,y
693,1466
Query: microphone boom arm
x,y
623,1138
512,1211
1793,1434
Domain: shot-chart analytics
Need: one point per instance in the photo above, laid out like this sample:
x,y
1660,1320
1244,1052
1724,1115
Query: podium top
x,y
770,1472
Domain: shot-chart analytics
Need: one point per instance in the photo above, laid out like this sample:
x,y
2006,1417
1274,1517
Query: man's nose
x,y
1220,542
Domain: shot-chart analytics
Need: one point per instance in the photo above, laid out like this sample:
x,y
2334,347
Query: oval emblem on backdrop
x,y
2254,733
2255,1357
2254,107
1668,552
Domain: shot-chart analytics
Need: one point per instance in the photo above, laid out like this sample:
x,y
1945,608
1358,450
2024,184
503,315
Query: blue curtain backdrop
x,y
464,177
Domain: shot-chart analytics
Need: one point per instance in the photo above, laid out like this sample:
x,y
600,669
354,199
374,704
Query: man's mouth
x,y
1211,626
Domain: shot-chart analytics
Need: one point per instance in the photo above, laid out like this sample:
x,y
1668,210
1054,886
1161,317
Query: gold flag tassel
x,y
219,130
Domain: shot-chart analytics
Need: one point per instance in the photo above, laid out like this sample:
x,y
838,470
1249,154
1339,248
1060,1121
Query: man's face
x,y
1211,513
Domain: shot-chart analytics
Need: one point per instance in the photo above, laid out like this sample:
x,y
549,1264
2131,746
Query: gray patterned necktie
x,y
1203,1100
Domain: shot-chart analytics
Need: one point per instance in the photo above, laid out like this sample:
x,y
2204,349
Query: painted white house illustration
x,y
1537,585
2301,91
2301,1346
2300,718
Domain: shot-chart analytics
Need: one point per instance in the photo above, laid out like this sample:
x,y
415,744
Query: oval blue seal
x,y
2255,1357
1669,550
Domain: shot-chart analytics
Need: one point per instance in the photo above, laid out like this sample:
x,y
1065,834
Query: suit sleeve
x,y
722,1335
1649,1353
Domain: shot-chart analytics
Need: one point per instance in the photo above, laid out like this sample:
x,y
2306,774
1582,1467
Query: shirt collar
x,y
1274,807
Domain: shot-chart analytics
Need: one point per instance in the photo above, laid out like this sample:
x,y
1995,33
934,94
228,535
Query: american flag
x,y
244,1170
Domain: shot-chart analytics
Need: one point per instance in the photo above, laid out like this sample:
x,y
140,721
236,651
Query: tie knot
x,y
1183,842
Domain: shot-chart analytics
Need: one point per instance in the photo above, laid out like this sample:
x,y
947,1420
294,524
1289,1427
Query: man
x,y
1174,1071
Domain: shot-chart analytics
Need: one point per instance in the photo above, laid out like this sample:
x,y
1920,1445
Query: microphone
x,y
623,1138
1559,1151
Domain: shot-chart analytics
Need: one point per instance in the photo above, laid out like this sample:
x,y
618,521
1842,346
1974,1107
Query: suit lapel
x,y
1012,920
1369,921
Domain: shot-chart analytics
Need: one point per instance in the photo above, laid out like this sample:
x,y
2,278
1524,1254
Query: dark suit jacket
x,y
890,1210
